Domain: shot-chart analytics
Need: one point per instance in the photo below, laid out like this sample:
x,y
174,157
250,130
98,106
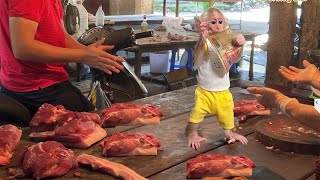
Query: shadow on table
x,y
264,173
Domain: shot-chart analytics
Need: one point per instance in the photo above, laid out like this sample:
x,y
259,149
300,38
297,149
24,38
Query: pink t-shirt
x,y
21,75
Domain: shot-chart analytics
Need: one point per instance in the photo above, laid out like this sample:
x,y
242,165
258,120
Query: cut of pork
x,y
130,114
115,169
48,159
46,117
78,133
71,115
242,109
121,144
9,139
219,165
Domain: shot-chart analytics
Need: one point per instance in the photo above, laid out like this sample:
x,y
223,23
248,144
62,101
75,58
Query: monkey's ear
x,y
225,19
197,22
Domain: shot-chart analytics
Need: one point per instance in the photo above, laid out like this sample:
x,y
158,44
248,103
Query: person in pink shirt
x,y
35,49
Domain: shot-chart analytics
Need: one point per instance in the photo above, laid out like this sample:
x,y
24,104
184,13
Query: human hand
x,y
194,141
233,137
238,40
95,56
300,76
266,96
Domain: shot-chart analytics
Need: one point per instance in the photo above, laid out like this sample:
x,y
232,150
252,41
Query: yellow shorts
x,y
219,103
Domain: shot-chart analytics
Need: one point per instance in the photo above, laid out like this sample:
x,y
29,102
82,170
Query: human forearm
x,y
49,54
305,114
72,43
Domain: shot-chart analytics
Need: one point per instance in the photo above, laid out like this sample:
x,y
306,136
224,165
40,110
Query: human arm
x,y
270,98
305,114
26,47
71,42
308,76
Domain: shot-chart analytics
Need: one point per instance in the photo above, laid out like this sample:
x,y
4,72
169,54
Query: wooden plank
x,y
309,29
171,135
280,43
172,103
270,164
181,101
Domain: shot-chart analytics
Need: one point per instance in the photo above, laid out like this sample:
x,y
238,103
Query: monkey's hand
x,y
194,136
194,141
233,137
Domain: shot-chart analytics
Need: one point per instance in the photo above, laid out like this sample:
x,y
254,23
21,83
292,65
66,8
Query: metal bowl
x,y
315,55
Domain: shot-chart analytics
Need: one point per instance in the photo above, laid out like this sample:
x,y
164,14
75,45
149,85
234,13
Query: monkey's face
x,y
216,22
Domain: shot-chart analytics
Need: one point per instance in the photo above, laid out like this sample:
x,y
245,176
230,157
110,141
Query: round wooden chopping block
x,y
286,134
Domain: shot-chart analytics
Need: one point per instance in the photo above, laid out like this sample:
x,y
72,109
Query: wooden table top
x,y
120,20
171,162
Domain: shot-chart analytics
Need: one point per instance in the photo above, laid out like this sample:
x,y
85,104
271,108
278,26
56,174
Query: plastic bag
x,y
98,97
174,30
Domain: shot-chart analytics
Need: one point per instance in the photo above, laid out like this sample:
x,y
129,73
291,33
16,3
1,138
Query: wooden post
x,y
280,44
177,8
310,12
251,58
164,8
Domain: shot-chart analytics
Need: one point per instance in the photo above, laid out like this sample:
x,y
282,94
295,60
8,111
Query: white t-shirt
x,y
211,73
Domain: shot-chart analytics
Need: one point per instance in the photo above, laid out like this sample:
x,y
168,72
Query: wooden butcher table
x,y
171,162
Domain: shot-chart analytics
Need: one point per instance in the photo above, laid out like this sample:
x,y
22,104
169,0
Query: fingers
x,y
243,140
306,63
287,76
289,71
294,69
194,145
239,40
255,90
111,57
98,43
231,141
239,138
197,146
112,62
105,48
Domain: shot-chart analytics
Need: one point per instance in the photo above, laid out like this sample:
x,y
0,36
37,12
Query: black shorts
x,y
63,93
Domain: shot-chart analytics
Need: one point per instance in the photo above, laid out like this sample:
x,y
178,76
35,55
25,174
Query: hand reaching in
x,y
266,96
194,141
95,56
239,40
233,137
300,76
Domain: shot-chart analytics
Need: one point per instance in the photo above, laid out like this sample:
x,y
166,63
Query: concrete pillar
x,y
120,7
